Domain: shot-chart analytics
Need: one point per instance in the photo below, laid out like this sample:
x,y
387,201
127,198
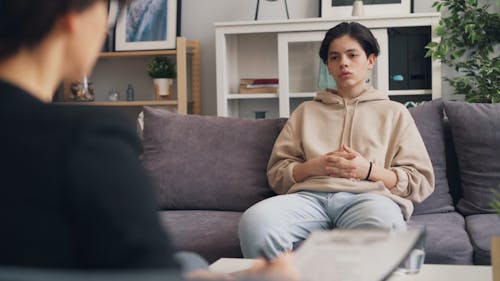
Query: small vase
x,y
82,91
163,87
357,8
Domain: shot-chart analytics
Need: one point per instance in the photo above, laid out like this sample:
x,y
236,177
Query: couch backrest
x,y
214,163
475,129
429,120
207,162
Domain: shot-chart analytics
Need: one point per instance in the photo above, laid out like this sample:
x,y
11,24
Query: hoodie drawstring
x,y
352,123
344,125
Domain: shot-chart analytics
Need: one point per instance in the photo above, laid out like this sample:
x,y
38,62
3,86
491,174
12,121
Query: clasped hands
x,y
342,163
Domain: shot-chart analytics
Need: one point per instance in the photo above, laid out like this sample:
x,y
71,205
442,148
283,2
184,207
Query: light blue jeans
x,y
275,224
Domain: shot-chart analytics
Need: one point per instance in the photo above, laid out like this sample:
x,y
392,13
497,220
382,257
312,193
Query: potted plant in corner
x,y
469,35
163,73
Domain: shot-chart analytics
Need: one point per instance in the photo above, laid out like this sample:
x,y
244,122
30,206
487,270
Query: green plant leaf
x,y
468,34
160,67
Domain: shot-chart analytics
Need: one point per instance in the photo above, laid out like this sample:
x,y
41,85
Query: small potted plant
x,y
163,73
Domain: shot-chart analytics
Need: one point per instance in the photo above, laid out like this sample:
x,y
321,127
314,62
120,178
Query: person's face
x,y
88,31
348,63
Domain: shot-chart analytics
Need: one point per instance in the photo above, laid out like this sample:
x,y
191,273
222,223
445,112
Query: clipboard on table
x,y
354,254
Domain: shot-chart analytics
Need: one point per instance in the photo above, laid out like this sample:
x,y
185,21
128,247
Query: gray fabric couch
x,y
210,169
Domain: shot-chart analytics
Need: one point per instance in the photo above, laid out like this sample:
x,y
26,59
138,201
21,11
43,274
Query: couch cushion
x,y
446,240
481,228
207,162
429,120
212,234
475,129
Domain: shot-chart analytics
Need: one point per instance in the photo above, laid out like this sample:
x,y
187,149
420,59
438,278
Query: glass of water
x,y
415,260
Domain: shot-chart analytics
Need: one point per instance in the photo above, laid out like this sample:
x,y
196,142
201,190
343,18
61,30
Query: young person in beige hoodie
x,y
351,158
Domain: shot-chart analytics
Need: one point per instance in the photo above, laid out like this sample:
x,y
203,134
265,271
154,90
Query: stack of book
x,y
259,86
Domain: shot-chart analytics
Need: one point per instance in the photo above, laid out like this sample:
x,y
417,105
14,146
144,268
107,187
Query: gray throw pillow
x,y
429,120
475,128
207,162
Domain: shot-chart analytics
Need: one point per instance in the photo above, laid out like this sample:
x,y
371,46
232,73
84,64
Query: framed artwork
x,y
147,25
343,8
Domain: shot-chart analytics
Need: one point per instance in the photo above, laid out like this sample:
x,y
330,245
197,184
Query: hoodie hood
x,y
331,96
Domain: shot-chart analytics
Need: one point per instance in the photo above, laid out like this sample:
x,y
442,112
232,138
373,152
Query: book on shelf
x,y
260,85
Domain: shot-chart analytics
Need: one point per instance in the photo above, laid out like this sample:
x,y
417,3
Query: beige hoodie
x,y
381,130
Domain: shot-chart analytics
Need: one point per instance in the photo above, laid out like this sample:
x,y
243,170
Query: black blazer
x,y
73,193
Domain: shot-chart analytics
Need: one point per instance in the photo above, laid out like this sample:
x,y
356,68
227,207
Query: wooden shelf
x,y
137,54
253,96
119,103
183,48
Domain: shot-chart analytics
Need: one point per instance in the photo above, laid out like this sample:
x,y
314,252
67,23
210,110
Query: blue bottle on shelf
x,y
130,92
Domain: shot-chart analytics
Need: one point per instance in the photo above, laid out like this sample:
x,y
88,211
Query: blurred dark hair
x,y
24,23
355,30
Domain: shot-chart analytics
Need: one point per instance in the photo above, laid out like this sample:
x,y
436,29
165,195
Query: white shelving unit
x,y
288,50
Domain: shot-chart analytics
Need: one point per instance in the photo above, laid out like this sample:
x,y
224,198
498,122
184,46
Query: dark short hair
x,y
355,30
25,23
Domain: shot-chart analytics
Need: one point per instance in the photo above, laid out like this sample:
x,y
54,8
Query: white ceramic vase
x,y
163,86
357,8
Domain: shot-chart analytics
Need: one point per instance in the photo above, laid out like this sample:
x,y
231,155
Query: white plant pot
x,y
163,86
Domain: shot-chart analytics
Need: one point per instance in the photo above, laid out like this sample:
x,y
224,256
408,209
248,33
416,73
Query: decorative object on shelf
x,y
130,92
470,35
114,95
358,8
147,25
397,77
344,8
82,91
163,73
257,9
325,80
259,86
260,114
410,104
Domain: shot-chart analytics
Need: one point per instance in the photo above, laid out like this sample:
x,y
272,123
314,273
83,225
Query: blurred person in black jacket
x,y
73,193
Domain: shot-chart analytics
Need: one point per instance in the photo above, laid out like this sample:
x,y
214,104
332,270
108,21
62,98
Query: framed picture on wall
x,y
343,8
147,25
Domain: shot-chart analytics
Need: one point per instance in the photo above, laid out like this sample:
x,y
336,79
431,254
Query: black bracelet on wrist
x,y
369,171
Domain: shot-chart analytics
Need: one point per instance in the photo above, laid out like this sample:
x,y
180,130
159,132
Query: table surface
x,y
428,272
